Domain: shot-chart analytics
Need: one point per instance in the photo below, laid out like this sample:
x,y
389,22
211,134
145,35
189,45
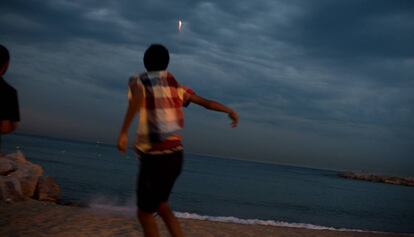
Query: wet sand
x,y
34,218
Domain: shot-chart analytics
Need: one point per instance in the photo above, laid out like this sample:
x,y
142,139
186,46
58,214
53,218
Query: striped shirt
x,y
161,115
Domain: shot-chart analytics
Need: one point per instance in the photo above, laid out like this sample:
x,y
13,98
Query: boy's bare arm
x,y
134,102
216,106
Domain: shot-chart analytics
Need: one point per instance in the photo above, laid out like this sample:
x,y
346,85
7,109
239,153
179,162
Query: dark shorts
x,y
156,179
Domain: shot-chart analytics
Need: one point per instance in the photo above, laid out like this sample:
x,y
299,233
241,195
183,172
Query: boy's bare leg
x,y
170,220
148,223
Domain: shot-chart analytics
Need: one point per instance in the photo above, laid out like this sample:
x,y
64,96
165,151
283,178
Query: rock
x,y
378,178
47,190
21,179
17,157
10,189
28,174
6,166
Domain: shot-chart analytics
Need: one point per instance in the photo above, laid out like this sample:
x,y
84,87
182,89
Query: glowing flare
x,y
180,25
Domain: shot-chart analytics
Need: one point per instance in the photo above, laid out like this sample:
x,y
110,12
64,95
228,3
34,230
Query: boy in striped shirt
x,y
159,100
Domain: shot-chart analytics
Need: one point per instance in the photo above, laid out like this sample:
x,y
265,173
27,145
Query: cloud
x,y
353,29
322,72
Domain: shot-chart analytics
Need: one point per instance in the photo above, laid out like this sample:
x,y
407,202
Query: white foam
x,y
117,209
113,205
130,211
231,219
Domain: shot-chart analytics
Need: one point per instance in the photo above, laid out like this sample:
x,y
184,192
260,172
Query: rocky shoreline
x,y
378,178
21,180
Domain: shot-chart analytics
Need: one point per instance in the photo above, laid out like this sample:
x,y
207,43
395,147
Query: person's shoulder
x,y
188,90
169,75
135,78
135,81
171,79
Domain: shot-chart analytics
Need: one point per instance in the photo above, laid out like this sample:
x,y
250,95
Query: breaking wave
x,y
130,210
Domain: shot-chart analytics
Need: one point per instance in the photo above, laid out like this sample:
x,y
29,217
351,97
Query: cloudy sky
x,y
317,83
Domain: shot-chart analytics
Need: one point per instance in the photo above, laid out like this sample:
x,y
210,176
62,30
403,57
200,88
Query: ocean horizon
x,y
223,189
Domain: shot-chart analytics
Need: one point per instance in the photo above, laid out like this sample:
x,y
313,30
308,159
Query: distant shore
x,y
34,218
378,178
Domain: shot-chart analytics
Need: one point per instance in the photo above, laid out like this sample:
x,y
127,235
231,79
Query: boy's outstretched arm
x,y
214,105
134,101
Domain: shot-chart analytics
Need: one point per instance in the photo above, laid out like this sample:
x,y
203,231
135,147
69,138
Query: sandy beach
x,y
35,218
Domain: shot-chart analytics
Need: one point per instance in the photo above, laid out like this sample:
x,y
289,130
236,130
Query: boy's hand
x,y
123,143
235,118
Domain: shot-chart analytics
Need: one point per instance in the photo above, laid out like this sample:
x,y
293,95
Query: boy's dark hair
x,y
4,55
156,58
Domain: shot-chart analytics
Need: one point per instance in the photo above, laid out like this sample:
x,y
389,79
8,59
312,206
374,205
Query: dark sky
x,y
324,84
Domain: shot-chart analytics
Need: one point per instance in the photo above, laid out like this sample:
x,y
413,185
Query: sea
x,y
223,189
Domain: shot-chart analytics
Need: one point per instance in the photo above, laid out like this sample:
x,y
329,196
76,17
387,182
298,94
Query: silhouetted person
x,y
9,106
159,99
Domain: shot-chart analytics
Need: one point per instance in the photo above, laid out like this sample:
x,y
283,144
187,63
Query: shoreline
x,y
35,218
126,210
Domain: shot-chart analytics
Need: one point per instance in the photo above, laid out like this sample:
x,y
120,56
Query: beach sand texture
x,y
34,218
